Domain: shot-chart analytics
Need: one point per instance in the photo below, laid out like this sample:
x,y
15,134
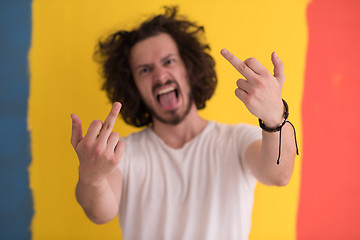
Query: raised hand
x,y
260,91
100,151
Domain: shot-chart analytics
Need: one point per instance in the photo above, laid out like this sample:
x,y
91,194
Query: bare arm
x,y
261,93
99,187
261,157
100,201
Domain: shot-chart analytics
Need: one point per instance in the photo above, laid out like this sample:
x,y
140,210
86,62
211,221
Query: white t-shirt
x,y
201,191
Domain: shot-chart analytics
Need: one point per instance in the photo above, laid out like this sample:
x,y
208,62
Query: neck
x,y
176,136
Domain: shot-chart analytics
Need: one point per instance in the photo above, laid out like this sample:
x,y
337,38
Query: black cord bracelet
x,y
279,128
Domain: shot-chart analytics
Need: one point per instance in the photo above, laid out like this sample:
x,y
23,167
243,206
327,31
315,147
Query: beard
x,y
174,118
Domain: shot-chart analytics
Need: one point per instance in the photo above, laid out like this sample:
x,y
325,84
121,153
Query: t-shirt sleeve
x,y
245,136
249,134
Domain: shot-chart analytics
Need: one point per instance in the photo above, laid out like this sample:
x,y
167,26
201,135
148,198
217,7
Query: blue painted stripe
x,y
16,206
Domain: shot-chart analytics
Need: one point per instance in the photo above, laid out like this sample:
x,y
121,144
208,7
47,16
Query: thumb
x,y
278,68
76,132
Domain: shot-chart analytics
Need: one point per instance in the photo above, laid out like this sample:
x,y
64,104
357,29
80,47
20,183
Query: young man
x,y
182,177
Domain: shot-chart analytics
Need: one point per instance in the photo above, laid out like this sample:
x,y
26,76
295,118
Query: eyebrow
x,y
168,56
161,60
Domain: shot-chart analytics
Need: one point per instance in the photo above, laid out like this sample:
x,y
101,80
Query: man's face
x,y
161,78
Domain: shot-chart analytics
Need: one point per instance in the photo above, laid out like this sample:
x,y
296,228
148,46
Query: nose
x,y
160,75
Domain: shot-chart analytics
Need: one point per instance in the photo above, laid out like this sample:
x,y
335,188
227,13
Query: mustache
x,y
168,82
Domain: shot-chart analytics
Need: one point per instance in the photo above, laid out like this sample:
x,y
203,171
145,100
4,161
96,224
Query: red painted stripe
x,y
329,206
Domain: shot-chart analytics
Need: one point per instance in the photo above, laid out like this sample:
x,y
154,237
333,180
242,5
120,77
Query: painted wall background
x,y
330,187
64,79
16,208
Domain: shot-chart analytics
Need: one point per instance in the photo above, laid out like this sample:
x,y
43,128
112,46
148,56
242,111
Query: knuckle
x,y
115,135
98,150
96,124
238,92
108,156
259,81
268,74
106,126
252,93
121,145
241,67
86,144
251,99
250,60
115,161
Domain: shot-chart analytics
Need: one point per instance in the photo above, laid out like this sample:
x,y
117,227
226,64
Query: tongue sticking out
x,y
168,100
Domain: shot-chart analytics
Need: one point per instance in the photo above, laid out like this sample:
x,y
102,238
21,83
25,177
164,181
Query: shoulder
x,y
231,136
142,139
236,136
134,137
235,130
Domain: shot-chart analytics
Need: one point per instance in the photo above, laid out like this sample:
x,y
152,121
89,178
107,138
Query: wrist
x,y
270,124
276,125
279,128
91,181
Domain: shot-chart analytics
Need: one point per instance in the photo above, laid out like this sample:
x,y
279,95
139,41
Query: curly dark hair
x,y
113,55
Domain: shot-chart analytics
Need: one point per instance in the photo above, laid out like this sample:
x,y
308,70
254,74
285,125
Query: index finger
x,y
110,119
239,65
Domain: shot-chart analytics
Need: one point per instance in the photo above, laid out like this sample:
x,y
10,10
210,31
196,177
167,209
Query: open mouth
x,y
168,90
168,97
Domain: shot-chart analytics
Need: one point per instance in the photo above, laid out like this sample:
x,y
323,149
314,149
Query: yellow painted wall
x,y
65,80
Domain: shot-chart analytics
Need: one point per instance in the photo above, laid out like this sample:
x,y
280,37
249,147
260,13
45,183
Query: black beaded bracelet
x,y
279,128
